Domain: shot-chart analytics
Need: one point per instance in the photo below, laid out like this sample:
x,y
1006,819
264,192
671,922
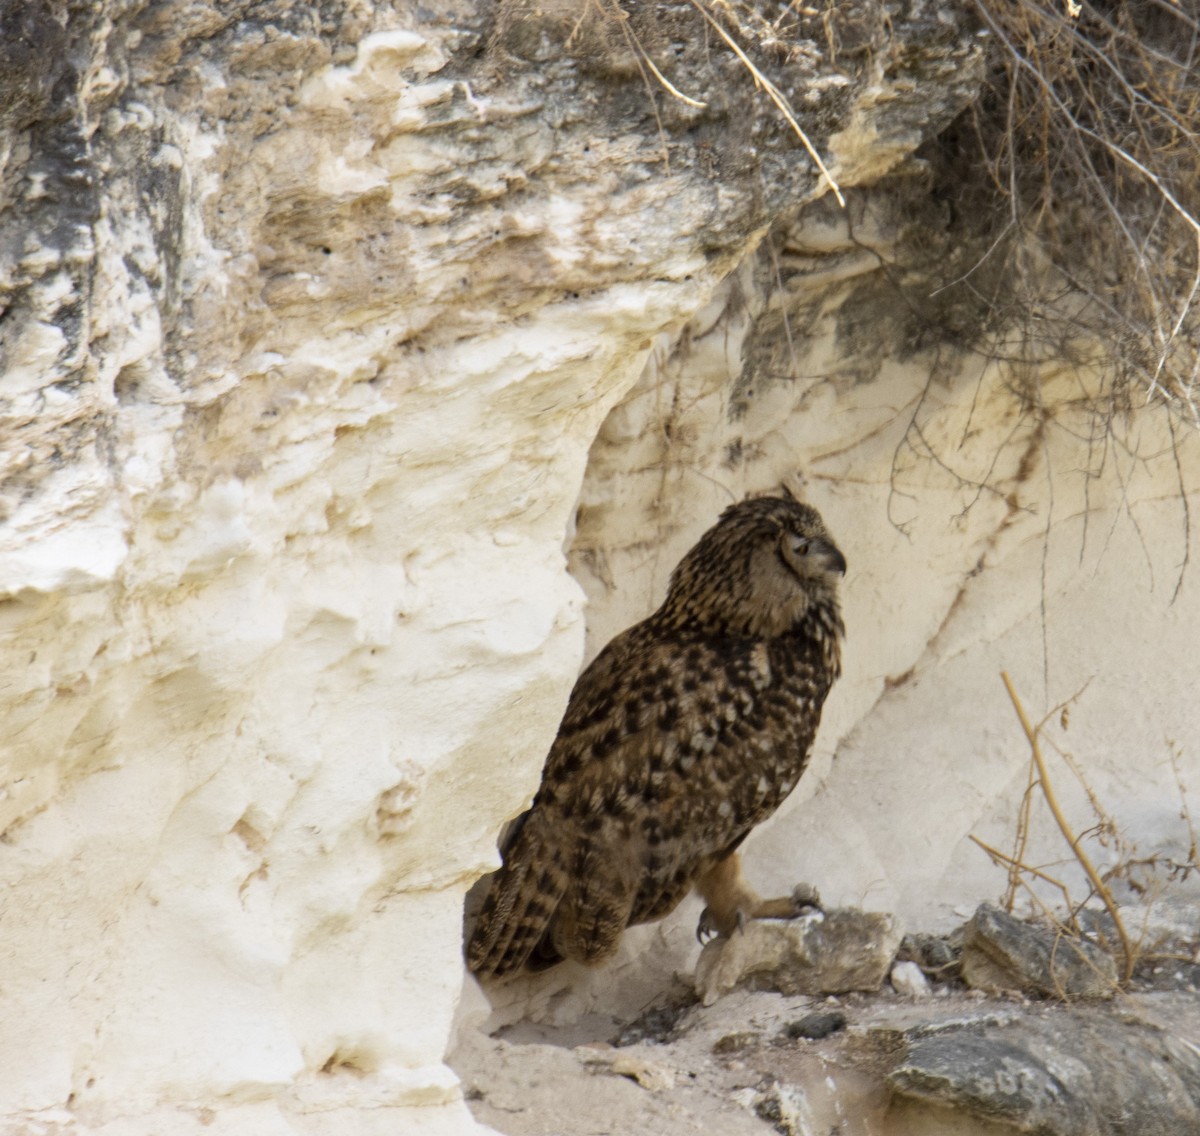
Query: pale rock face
x,y
317,326
311,320
982,534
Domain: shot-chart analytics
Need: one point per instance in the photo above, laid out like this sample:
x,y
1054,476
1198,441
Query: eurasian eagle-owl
x,y
685,732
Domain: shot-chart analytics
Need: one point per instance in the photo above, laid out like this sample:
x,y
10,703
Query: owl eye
x,y
800,545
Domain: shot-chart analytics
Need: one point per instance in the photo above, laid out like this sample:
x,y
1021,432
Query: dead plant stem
x,y
777,97
1072,840
1016,865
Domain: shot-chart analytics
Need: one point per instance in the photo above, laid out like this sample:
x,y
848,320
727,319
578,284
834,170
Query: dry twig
x,y
776,95
1074,842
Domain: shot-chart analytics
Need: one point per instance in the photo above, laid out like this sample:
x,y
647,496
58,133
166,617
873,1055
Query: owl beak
x,y
831,556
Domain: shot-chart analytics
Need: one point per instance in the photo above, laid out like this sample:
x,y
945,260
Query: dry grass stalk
x,y
1017,868
646,65
1016,861
1075,843
776,96
1185,815
643,58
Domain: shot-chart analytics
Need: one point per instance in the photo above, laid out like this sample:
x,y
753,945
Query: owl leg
x,y
731,900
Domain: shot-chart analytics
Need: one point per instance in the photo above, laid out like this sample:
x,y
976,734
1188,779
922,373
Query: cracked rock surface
x,y
1000,952
1071,1071
953,1066
827,952
345,349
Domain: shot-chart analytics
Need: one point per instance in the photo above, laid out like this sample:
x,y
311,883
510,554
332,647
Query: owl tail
x,y
522,899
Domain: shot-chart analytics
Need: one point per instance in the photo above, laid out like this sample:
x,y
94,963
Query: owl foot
x,y
804,899
731,901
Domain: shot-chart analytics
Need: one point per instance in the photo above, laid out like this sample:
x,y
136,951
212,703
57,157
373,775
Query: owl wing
x,y
551,844
664,760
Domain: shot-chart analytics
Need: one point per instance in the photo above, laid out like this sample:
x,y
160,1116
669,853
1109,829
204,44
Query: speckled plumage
x,y
685,732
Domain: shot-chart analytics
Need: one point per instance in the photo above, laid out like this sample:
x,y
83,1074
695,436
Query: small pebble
x,y
651,1075
734,1042
816,1025
909,980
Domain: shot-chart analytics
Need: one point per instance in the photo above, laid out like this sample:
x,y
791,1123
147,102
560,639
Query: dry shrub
x,y
1075,182
1145,875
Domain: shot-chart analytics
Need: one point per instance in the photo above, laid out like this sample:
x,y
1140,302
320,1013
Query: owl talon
x,y
707,929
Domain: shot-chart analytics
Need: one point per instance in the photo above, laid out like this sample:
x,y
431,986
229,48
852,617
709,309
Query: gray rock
x,y
828,952
815,1026
936,955
1004,953
1065,1071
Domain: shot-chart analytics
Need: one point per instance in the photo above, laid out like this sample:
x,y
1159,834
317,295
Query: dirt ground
x,y
954,1062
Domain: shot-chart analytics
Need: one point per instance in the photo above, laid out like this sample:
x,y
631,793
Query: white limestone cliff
x,y
314,337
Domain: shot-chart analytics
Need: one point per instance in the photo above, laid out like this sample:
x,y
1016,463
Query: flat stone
x,y
1001,952
827,952
1062,1071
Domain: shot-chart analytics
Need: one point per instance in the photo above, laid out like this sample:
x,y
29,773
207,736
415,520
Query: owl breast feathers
x,y
685,732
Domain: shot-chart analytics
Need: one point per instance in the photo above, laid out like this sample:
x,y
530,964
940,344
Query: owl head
x,y
766,565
